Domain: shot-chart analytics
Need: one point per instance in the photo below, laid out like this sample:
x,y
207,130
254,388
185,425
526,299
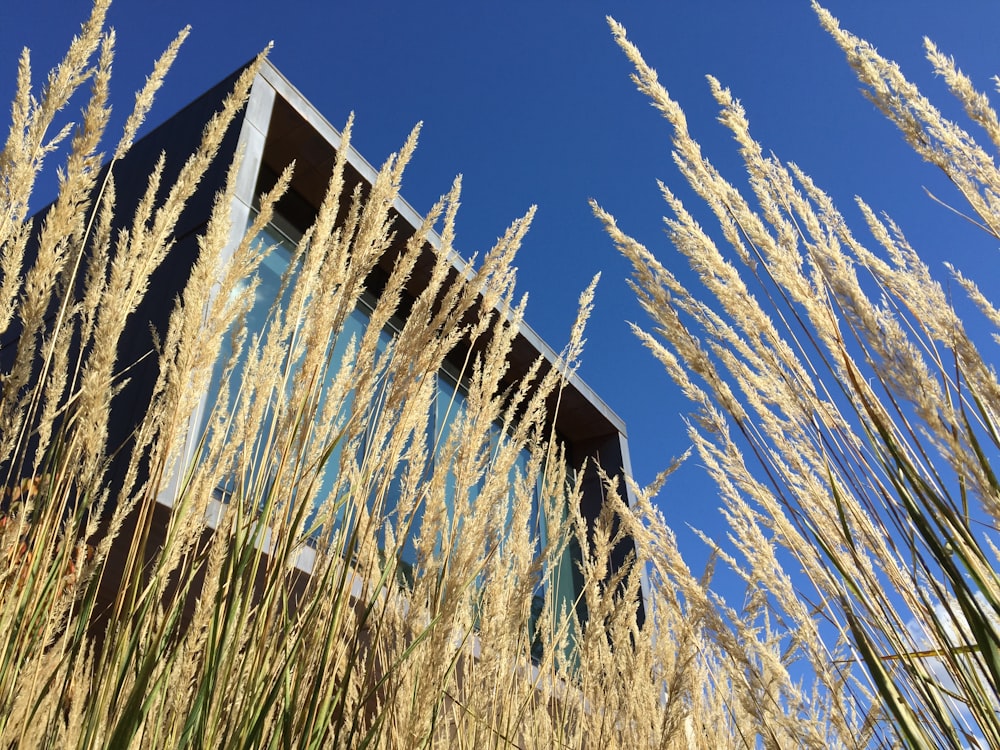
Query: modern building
x,y
277,126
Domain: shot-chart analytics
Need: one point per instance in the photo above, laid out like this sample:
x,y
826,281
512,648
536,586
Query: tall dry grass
x,y
848,416
217,638
213,635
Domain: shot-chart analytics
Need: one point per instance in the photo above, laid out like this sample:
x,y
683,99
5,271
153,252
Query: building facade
x,y
279,126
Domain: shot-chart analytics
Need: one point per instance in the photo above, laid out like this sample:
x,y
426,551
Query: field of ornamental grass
x,y
845,412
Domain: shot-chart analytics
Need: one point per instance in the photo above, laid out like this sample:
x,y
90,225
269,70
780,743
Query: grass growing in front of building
x,y
215,638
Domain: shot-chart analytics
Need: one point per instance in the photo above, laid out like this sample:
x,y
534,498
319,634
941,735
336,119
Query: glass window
x,y
450,405
269,274
282,239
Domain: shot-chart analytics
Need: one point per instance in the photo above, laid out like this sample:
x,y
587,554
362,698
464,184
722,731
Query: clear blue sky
x,y
531,102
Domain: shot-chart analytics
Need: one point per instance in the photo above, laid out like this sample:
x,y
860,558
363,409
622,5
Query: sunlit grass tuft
x,y
126,624
849,418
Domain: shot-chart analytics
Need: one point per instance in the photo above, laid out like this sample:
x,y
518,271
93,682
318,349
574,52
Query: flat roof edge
x,y
291,94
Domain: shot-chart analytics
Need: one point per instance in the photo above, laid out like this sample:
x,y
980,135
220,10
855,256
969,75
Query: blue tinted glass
x,y
274,266
269,275
450,405
354,328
